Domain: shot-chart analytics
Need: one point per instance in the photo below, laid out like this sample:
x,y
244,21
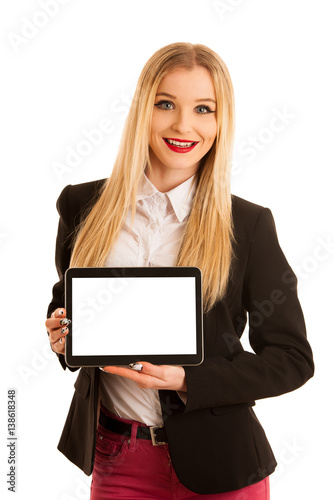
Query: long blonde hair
x,y
208,235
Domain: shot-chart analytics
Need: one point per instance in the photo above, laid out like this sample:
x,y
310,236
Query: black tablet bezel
x,y
108,272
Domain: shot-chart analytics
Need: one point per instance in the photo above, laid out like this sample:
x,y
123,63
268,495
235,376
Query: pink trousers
x,y
133,468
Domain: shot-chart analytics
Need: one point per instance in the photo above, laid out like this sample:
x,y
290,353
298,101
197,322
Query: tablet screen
x,y
123,315
133,316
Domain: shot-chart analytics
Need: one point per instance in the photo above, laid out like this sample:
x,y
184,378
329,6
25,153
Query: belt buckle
x,y
153,435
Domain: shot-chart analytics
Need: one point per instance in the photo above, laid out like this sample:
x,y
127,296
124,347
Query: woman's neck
x,y
165,181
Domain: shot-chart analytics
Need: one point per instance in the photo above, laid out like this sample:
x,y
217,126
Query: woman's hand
x,y
153,376
150,377
57,330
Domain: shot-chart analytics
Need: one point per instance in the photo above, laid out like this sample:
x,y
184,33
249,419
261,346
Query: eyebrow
x,y
196,100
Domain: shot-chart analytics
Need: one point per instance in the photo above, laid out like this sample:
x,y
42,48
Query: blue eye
x,y
164,105
168,105
205,110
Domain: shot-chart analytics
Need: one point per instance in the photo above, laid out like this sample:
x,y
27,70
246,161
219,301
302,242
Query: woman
x,y
168,203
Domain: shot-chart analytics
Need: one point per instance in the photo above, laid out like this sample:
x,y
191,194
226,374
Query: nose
x,y
182,122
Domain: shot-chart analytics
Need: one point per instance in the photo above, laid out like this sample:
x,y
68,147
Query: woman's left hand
x,y
153,376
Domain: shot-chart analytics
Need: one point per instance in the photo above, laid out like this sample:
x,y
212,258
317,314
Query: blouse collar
x,y
180,197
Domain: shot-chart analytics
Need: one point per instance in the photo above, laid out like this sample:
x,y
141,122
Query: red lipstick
x,y
179,149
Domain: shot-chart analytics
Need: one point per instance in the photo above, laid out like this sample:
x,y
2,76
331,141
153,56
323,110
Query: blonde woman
x,y
168,203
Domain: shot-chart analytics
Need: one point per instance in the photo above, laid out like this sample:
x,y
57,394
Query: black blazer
x,y
216,441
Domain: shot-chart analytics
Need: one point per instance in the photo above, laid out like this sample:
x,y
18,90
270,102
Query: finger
x,y
57,320
125,372
122,371
142,379
53,323
59,313
59,346
55,335
157,371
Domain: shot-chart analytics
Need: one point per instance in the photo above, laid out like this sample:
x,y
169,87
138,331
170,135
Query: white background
x,y
81,68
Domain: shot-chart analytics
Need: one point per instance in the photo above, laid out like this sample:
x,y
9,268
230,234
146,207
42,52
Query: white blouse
x,y
153,240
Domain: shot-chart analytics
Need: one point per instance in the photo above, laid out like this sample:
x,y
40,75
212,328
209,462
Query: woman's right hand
x,y
57,330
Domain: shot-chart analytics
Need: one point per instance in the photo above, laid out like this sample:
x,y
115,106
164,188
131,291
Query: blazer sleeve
x,y
282,360
62,258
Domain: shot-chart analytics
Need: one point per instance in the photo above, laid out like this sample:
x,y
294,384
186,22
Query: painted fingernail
x,y
65,321
63,330
136,366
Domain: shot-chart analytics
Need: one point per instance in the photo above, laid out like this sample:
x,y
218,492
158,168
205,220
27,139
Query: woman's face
x,y
183,123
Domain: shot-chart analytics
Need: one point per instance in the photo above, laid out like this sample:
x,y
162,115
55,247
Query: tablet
x,y
121,315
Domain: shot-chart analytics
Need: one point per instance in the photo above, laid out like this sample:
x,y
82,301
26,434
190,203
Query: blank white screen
x,y
133,316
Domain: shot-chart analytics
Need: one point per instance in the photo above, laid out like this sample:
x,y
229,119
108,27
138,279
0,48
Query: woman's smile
x,y
180,146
